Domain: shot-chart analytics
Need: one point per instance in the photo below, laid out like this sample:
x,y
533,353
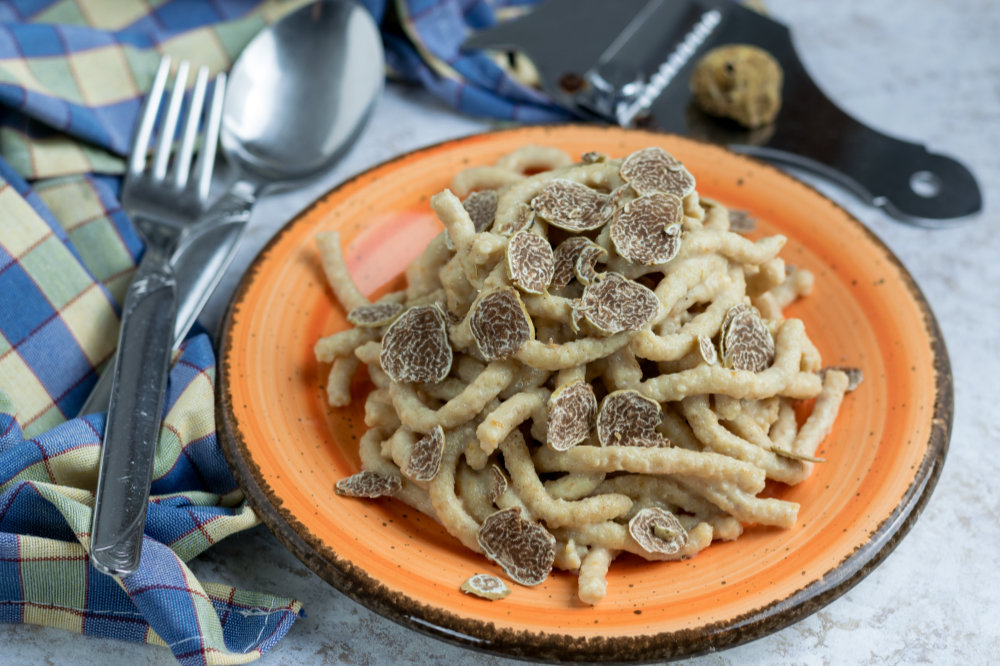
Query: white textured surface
x,y
924,70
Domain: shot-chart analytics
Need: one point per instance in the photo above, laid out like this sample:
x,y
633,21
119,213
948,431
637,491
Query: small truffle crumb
x,y
485,586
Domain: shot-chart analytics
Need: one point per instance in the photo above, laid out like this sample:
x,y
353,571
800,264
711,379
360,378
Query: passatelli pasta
x,y
587,361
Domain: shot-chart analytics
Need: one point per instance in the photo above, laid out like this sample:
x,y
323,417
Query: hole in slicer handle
x,y
925,184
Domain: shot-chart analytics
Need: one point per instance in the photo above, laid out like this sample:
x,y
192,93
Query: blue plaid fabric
x,y
73,86
427,51
72,77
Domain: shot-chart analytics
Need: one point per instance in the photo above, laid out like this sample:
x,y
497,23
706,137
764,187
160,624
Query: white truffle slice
x,y
748,343
530,262
569,205
657,531
628,418
425,456
498,483
617,200
416,346
613,303
564,260
646,163
486,586
522,220
731,314
585,267
707,350
655,170
482,208
376,314
525,550
500,324
572,411
368,484
648,229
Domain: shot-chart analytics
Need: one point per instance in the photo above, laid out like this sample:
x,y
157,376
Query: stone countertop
x,y
922,70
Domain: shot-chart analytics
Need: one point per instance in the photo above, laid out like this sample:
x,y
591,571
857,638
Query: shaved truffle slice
x,y
425,456
530,262
641,161
585,267
741,222
569,205
523,218
486,586
627,416
593,156
564,260
731,314
655,170
416,347
376,314
793,455
680,183
657,531
524,549
707,350
482,208
572,409
617,200
612,303
498,483
500,324
368,484
648,229
854,375
748,343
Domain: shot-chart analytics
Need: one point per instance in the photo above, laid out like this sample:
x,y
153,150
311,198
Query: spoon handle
x,y
207,251
133,426
199,263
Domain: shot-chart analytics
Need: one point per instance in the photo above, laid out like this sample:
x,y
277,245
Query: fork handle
x,y
133,425
200,262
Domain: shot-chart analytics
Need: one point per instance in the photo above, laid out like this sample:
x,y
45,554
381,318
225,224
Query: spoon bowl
x,y
298,97
301,92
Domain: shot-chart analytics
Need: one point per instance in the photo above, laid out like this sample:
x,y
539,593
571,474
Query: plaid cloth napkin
x,y
72,77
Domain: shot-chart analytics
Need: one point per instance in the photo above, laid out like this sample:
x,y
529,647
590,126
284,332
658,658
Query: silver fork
x,y
162,205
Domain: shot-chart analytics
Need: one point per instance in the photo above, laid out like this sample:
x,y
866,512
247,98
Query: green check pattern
x,y
72,76
81,71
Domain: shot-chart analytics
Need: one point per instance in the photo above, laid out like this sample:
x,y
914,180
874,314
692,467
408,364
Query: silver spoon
x,y
299,95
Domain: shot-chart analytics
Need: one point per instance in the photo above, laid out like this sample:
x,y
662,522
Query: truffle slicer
x,y
629,62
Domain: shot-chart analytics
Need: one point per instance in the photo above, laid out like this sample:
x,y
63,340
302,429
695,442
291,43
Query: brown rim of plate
x,y
552,647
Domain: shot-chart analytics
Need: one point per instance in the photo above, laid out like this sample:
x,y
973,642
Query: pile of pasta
x,y
589,360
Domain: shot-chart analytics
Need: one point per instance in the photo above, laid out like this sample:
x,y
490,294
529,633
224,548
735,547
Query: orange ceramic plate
x,y
288,448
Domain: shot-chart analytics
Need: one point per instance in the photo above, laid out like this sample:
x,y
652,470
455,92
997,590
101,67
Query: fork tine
x,y
206,158
182,165
150,109
170,122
